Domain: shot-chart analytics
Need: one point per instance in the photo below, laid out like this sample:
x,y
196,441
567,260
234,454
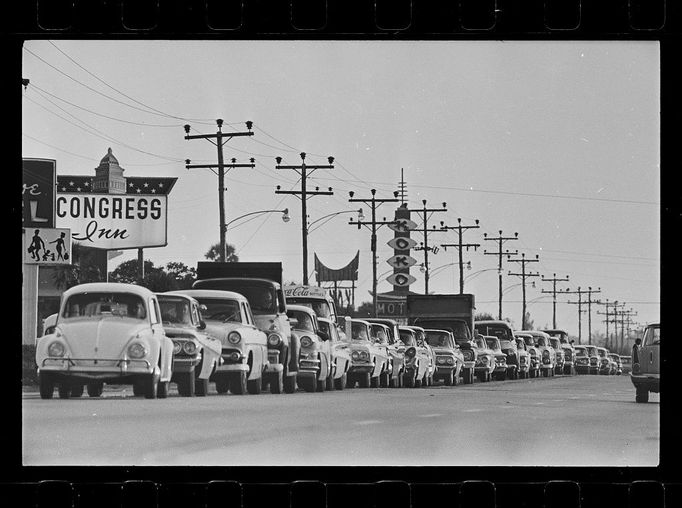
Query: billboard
x,y
47,246
114,221
38,192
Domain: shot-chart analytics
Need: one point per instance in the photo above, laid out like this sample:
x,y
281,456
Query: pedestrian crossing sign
x,y
47,246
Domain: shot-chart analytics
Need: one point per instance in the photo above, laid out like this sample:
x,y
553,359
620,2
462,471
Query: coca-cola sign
x,y
312,291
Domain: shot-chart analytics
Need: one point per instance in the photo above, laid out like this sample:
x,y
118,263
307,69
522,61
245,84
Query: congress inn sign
x,y
111,211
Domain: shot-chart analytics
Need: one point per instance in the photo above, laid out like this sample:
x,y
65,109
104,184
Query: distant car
x,y
314,366
229,319
380,335
618,364
502,330
569,351
485,359
582,360
416,358
604,361
369,360
646,367
340,355
449,358
501,368
524,358
594,359
420,336
626,363
560,355
105,333
195,353
546,351
396,350
533,352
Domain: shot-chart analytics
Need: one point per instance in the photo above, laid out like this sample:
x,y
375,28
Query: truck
x,y
261,284
451,312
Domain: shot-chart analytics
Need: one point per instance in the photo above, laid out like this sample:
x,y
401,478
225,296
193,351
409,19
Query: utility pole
x,y
373,203
625,318
459,245
608,315
500,240
303,195
553,280
425,244
524,276
589,302
220,139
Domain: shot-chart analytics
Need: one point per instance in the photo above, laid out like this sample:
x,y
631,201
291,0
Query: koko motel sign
x,y
112,212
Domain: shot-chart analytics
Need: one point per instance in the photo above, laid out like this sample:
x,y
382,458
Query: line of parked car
x,y
246,336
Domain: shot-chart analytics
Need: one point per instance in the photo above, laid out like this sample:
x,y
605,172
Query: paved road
x,y
573,421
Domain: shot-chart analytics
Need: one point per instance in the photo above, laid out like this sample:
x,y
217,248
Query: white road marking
x,y
471,410
431,415
367,422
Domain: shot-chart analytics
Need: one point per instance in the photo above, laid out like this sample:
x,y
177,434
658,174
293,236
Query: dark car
x,y
504,333
646,366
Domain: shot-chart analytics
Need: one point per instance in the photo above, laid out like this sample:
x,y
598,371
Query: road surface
x,y
560,421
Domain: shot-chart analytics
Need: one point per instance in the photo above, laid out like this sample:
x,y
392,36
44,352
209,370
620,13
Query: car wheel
x,y
222,384
255,386
642,395
468,376
320,385
137,388
340,383
289,384
150,386
363,380
46,386
162,389
95,389
77,390
276,383
64,390
409,379
384,379
308,384
186,384
238,382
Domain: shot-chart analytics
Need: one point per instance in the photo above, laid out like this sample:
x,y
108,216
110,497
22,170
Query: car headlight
x,y
440,360
56,349
306,341
274,340
635,368
189,347
410,351
450,361
234,338
545,354
137,350
468,354
177,347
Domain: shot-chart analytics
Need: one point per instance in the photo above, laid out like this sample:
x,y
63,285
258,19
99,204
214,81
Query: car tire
x,y
95,389
308,384
642,395
77,390
186,384
289,384
468,376
46,384
329,382
238,382
409,379
340,382
276,383
138,391
162,389
150,386
255,386
222,383
64,390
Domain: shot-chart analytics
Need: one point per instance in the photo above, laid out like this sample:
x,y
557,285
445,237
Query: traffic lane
x,y
583,420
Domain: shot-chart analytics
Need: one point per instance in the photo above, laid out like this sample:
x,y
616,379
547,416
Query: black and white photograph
x,y
341,252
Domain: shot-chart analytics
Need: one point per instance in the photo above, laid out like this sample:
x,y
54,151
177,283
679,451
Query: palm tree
x,y
213,253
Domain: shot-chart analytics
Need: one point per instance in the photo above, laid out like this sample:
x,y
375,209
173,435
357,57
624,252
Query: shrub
x,y
29,372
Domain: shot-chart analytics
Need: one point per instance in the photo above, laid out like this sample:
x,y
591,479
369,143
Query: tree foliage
x,y
213,253
365,309
84,268
483,316
173,276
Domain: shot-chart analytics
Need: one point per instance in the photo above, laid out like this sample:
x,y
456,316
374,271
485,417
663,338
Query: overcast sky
x,y
558,141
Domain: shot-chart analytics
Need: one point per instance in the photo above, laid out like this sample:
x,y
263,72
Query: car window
x,y
125,305
196,315
221,309
652,336
359,331
407,338
175,310
303,320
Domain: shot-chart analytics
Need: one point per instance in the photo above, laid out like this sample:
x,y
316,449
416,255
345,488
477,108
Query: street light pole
x,y
285,215
219,136
459,245
425,244
303,195
500,239
523,276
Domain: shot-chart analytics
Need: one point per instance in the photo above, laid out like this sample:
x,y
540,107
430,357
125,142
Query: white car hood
x,y
103,338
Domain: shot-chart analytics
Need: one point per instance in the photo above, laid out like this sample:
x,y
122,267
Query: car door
x,y
165,344
339,352
649,352
255,338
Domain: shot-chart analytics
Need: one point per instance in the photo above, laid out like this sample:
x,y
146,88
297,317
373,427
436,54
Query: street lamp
x,y
285,215
361,216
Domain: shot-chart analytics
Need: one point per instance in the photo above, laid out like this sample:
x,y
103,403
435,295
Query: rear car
x,y
396,350
369,362
626,363
646,364
416,358
560,355
617,364
486,363
501,368
502,330
533,352
105,333
449,359
339,351
582,360
315,355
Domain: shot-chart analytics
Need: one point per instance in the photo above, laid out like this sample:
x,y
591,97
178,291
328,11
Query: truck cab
x,y
646,366
260,284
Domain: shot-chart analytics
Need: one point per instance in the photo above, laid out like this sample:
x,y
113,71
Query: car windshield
x,y
555,343
529,341
580,351
492,344
592,351
326,328
359,331
320,307
262,297
303,320
506,344
407,338
125,305
652,336
220,309
520,344
500,331
174,310
379,332
438,339
481,343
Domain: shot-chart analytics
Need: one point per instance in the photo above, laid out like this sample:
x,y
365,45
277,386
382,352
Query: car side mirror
x,y
202,325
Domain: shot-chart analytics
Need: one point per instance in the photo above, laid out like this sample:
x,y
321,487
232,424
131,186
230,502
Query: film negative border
x,y
347,17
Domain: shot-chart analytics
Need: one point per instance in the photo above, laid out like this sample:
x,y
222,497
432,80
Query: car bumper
x,y
648,381
444,370
363,368
185,364
469,364
96,368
